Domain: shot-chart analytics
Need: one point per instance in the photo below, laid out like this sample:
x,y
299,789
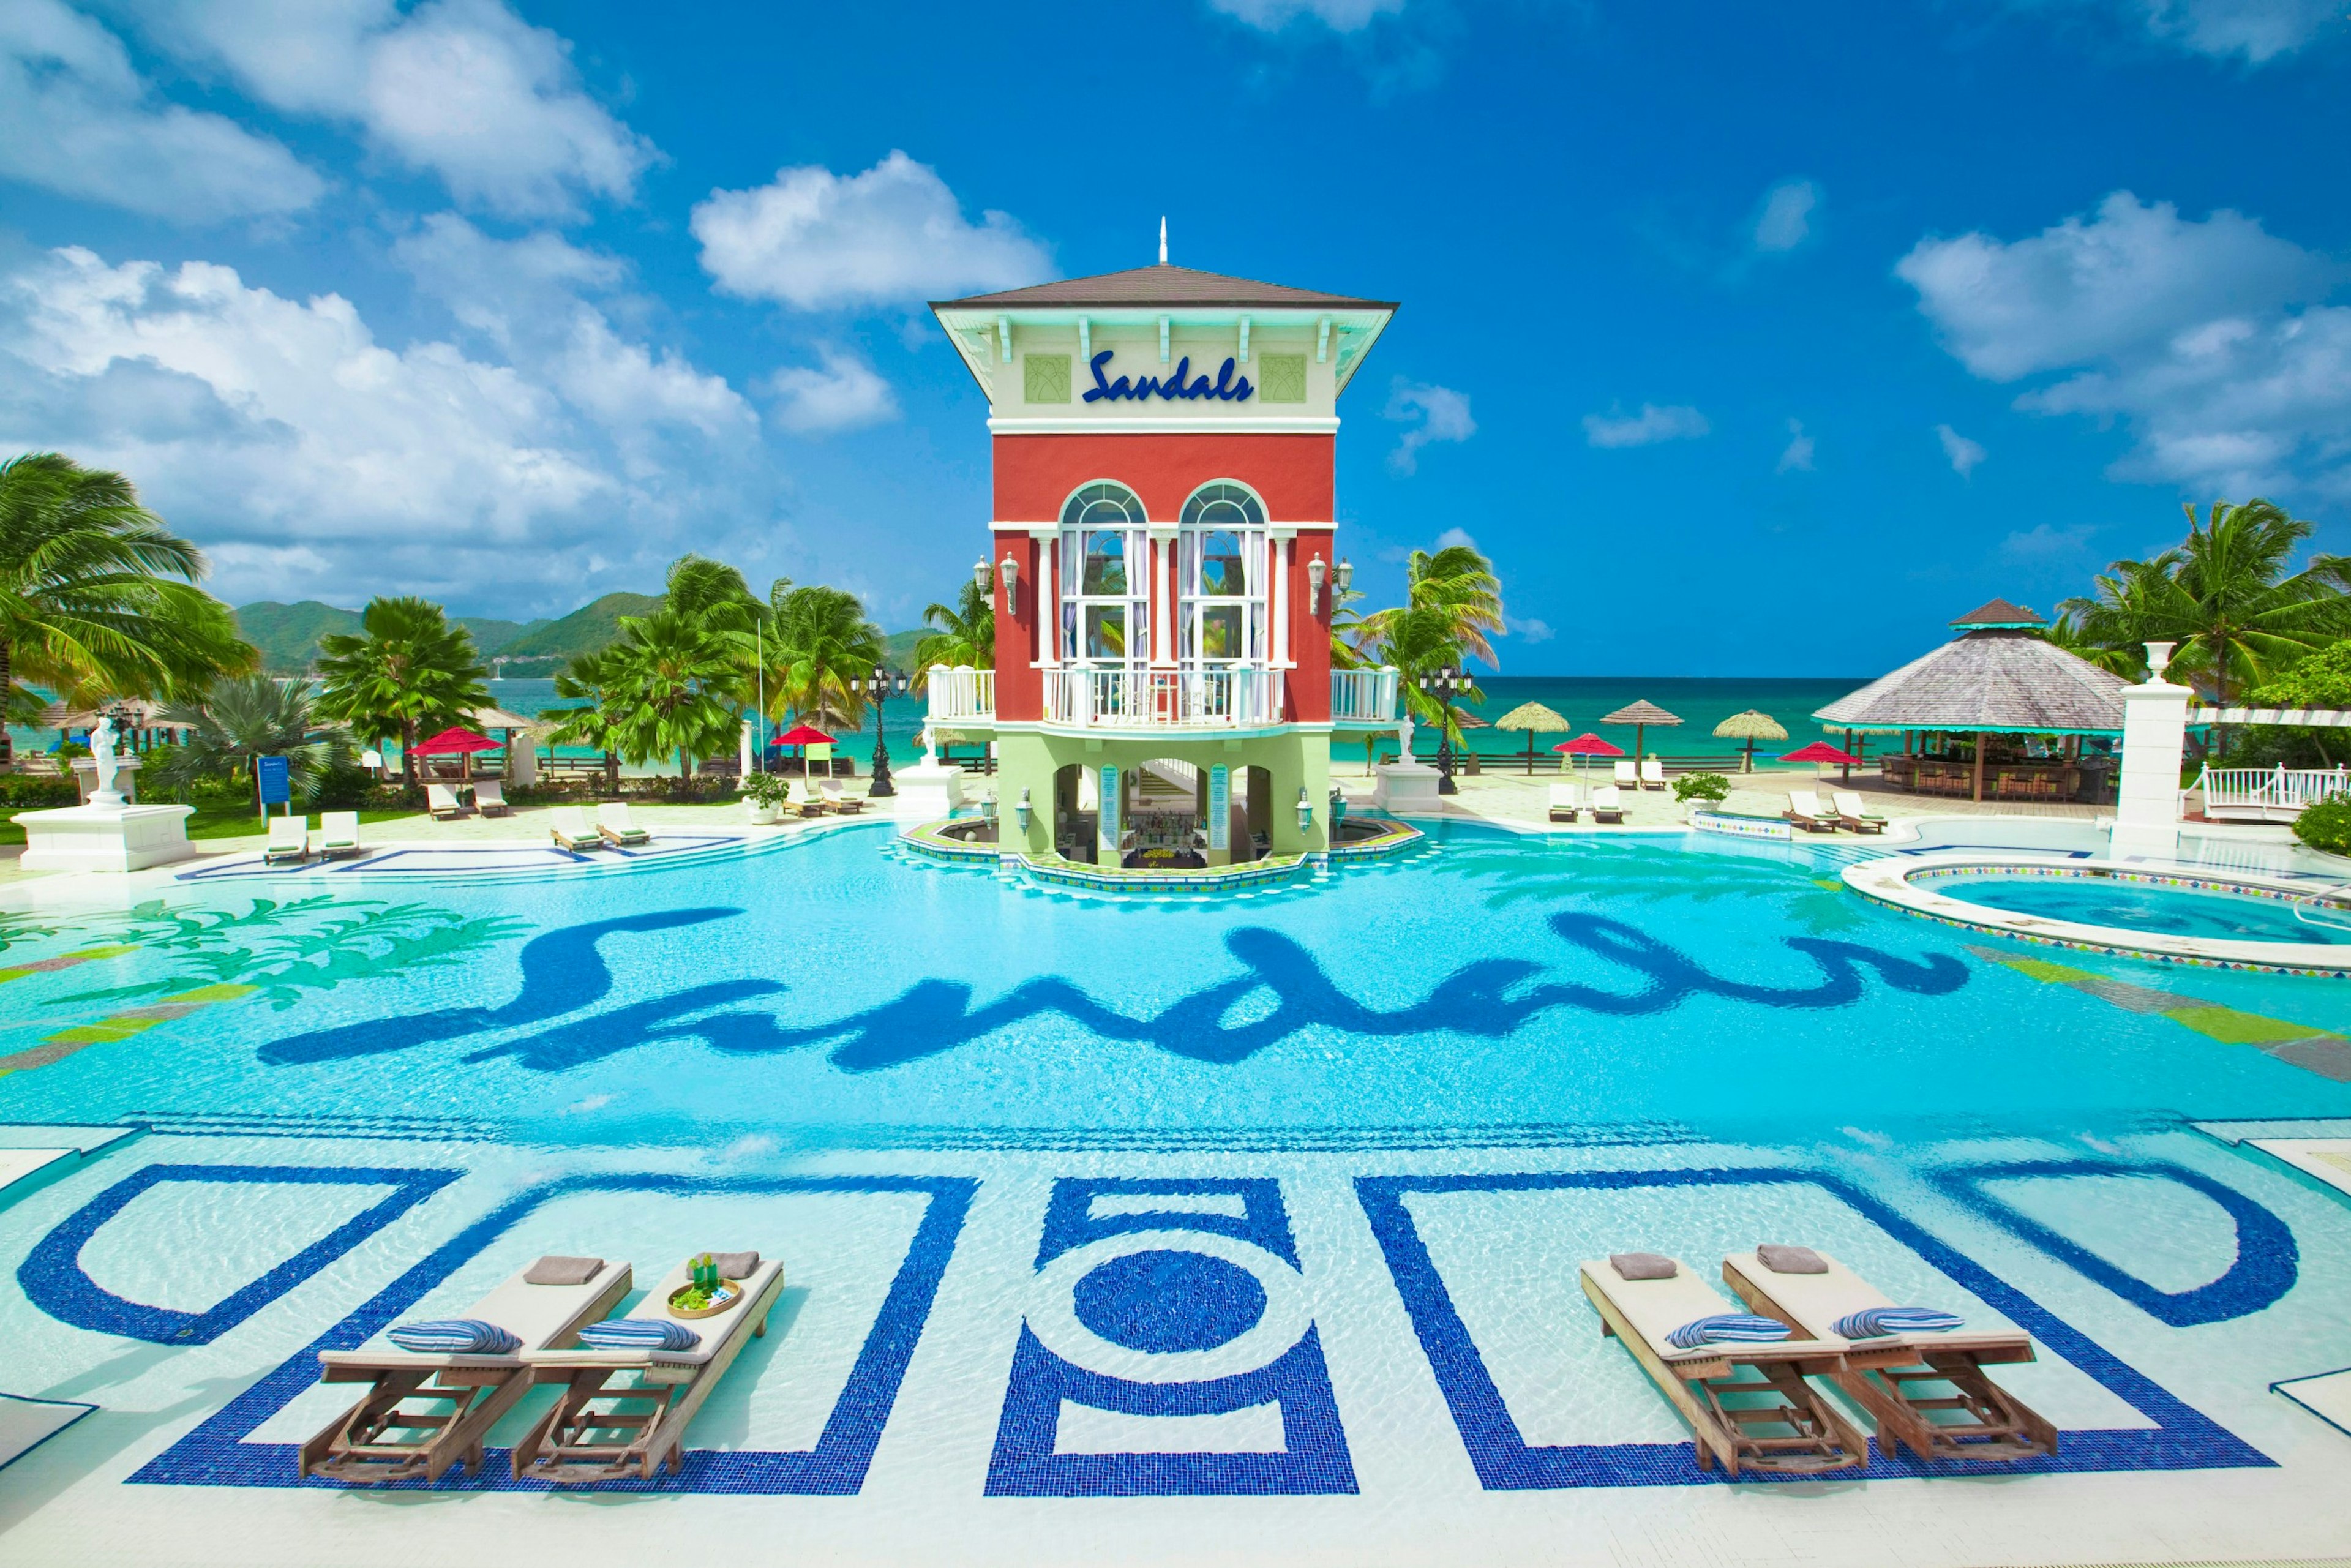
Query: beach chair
x,y
1563,802
1854,812
1777,1422
839,804
589,1435
1977,1420
380,1439
570,831
1607,804
613,821
1804,810
289,841
490,798
798,801
1653,773
1627,777
338,835
442,798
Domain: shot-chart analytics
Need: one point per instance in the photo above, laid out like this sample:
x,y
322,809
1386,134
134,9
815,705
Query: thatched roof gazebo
x,y
1640,715
1533,717
1750,727
1998,677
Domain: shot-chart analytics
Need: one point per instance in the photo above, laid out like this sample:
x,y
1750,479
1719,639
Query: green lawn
x,y
215,822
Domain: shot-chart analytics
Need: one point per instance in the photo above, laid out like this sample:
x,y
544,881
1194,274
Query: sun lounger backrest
x,y
1652,768
614,814
1850,803
339,827
288,832
1805,803
489,792
797,793
1624,774
1563,794
442,796
1654,1308
572,821
1606,798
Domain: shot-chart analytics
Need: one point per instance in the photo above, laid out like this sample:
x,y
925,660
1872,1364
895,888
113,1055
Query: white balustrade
x,y
961,694
2268,794
1242,697
1363,696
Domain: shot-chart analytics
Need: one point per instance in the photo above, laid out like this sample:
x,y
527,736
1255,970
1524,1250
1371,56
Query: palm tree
x,y
97,596
1459,584
248,717
2227,596
677,682
823,642
963,634
409,668
599,679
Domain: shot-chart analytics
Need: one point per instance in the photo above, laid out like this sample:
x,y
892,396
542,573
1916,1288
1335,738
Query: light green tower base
x,y
1044,770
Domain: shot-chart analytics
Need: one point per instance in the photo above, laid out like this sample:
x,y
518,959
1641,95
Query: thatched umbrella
x,y
1531,718
1641,715
1749,727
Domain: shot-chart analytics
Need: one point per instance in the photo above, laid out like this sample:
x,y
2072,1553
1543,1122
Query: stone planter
x,y
759,811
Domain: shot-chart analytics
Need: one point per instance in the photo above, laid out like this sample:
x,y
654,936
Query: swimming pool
x,y
2215,912
1404,1101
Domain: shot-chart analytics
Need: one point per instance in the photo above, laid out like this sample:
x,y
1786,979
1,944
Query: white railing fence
x,y
2268,794
961,693
1164,699
1362,696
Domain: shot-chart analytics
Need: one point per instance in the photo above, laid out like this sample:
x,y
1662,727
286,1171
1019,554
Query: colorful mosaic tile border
x,y
1395,838
1210,879
1737,827
2185,881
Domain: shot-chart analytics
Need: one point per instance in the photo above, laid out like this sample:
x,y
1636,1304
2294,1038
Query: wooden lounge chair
x,y
1804,810
338,835
289,841
1607,804
443,800
613,821
839,804
1563,803
490,799
1653,773
361,1446
570,831
1627,777
1983,1422
1797,1432
577,1441
799,802
1854,812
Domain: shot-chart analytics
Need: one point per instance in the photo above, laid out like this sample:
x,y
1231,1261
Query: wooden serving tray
x,y
731,1299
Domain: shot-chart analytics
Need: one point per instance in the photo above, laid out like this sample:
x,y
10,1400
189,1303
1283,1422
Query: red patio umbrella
x,y
1586,745
1823,752
456,742
804,734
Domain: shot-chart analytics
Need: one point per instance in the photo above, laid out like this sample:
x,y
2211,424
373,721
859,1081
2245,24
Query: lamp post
x,y
884,681
1443,682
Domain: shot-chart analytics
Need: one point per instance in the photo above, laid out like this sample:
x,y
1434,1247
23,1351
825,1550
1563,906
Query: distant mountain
x,y
584,630
287,634
902,647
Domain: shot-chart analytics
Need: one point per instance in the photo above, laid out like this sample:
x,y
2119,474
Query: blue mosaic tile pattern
x,y
216,1454
2182,1438
52,1278
2266,1265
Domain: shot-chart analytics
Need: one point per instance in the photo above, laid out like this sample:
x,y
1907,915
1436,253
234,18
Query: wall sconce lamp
x,y
983,576
1305,811
1343,576
1023,810
1009,569
1316,570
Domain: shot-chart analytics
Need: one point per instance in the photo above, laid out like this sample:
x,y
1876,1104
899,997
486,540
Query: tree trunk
x,y
408,751
7,689
684,766
612,773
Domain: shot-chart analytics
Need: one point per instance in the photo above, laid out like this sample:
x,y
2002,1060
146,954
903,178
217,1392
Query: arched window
x,y
1220,603
1105,618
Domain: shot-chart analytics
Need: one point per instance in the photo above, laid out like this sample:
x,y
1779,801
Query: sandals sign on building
x,y
1227,388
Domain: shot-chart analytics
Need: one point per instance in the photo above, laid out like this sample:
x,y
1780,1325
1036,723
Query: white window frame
x,y
1070,623
1191,605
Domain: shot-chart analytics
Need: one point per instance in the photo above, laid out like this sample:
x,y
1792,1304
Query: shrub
x,y
2326,825
1701,787
26,791
766,789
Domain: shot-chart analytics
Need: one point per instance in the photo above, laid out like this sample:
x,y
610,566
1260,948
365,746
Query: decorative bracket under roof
x,y
1323,341
1004,338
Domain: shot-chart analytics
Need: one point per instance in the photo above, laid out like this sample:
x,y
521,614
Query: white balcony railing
x,y
1363,696
961,694
1238,698
2268,794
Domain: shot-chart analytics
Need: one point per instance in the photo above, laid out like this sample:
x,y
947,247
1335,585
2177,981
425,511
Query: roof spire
x,y
1163,239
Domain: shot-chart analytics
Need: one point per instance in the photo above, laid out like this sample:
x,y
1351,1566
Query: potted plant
x,y
763,794
1697,791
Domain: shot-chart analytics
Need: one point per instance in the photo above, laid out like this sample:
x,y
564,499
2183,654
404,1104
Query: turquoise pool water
x,y
2138,906
833,992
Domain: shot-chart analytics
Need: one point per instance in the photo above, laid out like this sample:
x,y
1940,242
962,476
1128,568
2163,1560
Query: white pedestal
x,y
105,838
2146,797
926,792
1405,787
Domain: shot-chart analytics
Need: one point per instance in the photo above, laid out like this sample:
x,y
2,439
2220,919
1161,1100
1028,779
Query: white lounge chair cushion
x,y
1562,794
1607,798
572,823
1656,1308
1817,1302
654,1306
1851,804
534,1314
1806,803
338,830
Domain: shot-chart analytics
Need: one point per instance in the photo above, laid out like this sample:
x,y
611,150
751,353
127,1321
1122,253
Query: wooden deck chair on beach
x,y
1854,812
1627,777
1792,1430
338,835
442,799
570,831
383,1439
490,798
289,841
589,1434
1888,1375
1563,802
839,804
1804,810
1653,773
613,822
1607,804
799,802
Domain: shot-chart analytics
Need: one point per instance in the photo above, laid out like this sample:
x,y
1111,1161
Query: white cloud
x,y
1454,538
2207,341
843,395
815,240
1442,414
464,88
77,118
1527,629
283,436
1797,457
1785,220
1963,453
2260,30
2045,542
1339,15
1676,421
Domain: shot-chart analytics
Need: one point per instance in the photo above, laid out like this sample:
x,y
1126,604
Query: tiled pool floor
x,y
1427,1384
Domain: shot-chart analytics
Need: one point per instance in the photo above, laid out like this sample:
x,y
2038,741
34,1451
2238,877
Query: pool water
x,y
2139,906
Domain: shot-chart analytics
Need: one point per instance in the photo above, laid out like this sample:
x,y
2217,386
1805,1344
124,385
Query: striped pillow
x,y
1727,1327
1872,1321
639,1334
454,1336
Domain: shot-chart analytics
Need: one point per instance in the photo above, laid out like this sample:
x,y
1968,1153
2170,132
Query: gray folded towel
x,y
1790,1260
554,1271
734,1265
1643,1265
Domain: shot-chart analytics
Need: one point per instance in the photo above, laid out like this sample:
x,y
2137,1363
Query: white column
x,y
1278,608
2155,738
1162,600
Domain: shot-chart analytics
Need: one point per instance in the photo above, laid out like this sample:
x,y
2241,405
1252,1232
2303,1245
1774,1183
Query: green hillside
x,y
287,634
584,630
902,648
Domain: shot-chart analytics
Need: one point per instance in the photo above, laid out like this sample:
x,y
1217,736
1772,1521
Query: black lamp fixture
x,y
880,687
1442,682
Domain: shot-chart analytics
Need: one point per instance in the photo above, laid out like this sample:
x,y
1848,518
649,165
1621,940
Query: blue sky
x,y
1748,340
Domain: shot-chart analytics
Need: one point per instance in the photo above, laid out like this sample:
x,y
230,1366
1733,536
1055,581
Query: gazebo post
x,y
1845,770
1980,760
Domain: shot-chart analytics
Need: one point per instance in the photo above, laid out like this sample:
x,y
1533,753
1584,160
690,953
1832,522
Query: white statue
x,y
930,747
101,751
1404,738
